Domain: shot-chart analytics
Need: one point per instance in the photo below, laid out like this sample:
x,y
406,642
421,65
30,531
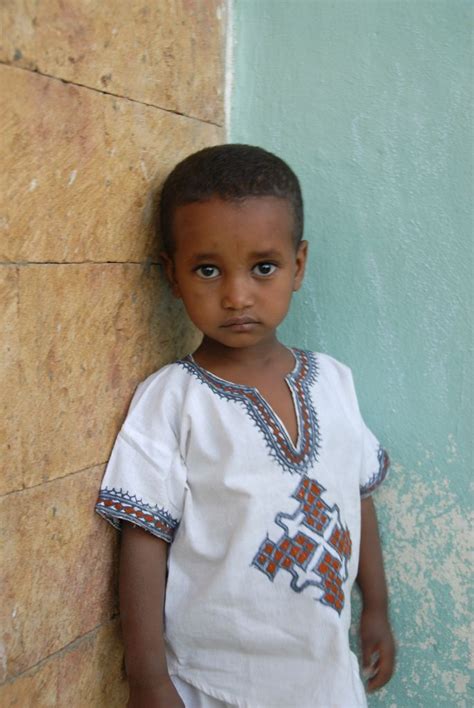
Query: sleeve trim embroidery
x,y
379,476
117,505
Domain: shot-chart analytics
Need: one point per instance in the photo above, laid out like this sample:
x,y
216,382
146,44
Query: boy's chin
x,y
239,340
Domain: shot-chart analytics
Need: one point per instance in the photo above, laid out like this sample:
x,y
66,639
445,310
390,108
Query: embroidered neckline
x,y
290,456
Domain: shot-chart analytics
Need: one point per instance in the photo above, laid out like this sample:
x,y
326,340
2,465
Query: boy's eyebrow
x,y
203,256
270,253
257,255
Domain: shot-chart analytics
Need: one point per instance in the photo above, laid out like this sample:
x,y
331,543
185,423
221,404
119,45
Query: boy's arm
x,y
142,592
375,632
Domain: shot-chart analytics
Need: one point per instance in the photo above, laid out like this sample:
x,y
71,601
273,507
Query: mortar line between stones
x,y
68,647
109,93
54,479
145,263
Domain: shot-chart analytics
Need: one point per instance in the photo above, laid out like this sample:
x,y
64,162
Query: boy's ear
x,y
301,256
168,266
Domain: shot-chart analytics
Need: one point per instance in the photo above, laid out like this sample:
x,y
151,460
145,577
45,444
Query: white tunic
x,y
264,534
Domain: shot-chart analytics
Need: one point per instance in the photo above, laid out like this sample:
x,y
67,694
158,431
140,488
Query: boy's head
x,y
233,173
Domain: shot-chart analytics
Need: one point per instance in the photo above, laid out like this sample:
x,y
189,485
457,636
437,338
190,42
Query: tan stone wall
x,y
100,100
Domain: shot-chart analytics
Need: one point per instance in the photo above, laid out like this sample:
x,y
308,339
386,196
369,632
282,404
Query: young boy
x,y
241,469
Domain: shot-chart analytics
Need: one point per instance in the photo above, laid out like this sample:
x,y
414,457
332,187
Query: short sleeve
x,y
375,463
144,482
373,459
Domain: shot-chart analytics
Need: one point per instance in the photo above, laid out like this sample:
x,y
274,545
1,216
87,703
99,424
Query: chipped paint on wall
x,y
369,104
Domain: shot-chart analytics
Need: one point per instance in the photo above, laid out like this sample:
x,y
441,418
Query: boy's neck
x,y
245,361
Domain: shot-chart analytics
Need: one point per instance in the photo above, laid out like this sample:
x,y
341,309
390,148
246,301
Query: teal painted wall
x,y
369,101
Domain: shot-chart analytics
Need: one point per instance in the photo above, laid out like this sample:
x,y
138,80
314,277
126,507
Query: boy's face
x,y
235,267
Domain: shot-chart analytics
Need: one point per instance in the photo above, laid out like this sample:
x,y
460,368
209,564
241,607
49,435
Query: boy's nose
x,y
236,294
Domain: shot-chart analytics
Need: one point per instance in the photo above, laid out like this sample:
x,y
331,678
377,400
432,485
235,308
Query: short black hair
x,y
232,172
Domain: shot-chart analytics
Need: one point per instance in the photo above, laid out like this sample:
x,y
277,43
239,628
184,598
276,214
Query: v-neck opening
x,y
296,411
293,457
288,378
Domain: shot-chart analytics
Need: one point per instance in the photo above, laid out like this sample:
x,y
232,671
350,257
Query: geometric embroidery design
x,y
115,506
378,476
314,548
290,457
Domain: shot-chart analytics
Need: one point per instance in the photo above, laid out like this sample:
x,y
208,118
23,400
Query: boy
x,y
240,470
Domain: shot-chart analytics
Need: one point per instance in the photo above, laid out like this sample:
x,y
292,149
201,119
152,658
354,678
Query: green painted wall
x,y
369,101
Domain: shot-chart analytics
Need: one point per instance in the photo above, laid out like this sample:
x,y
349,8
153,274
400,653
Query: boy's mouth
x,y
240,323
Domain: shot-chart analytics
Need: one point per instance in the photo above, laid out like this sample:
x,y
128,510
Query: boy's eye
x,y
264,268
207,271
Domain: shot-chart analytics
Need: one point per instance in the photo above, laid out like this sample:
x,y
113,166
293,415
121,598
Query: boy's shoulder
x,y
164,374
167,383
334,377
327,365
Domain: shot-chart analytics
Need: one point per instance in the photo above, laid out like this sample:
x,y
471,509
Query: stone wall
x,y
100,100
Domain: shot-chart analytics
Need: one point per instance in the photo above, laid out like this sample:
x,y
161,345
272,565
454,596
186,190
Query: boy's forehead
x,y
255,215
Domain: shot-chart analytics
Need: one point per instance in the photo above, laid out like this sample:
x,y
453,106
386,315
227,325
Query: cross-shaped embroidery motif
x,y
314,549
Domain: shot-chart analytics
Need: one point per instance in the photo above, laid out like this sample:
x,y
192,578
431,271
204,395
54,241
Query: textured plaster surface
x,y
369,104
168,54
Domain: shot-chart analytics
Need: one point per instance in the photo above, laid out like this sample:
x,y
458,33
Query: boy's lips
x,y
240,323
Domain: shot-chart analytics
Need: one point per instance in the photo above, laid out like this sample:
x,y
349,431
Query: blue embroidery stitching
x,y
290,458
115,505
323,550
378,476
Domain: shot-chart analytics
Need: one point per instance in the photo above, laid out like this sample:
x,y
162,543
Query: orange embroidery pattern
x,y
117,506
314,549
